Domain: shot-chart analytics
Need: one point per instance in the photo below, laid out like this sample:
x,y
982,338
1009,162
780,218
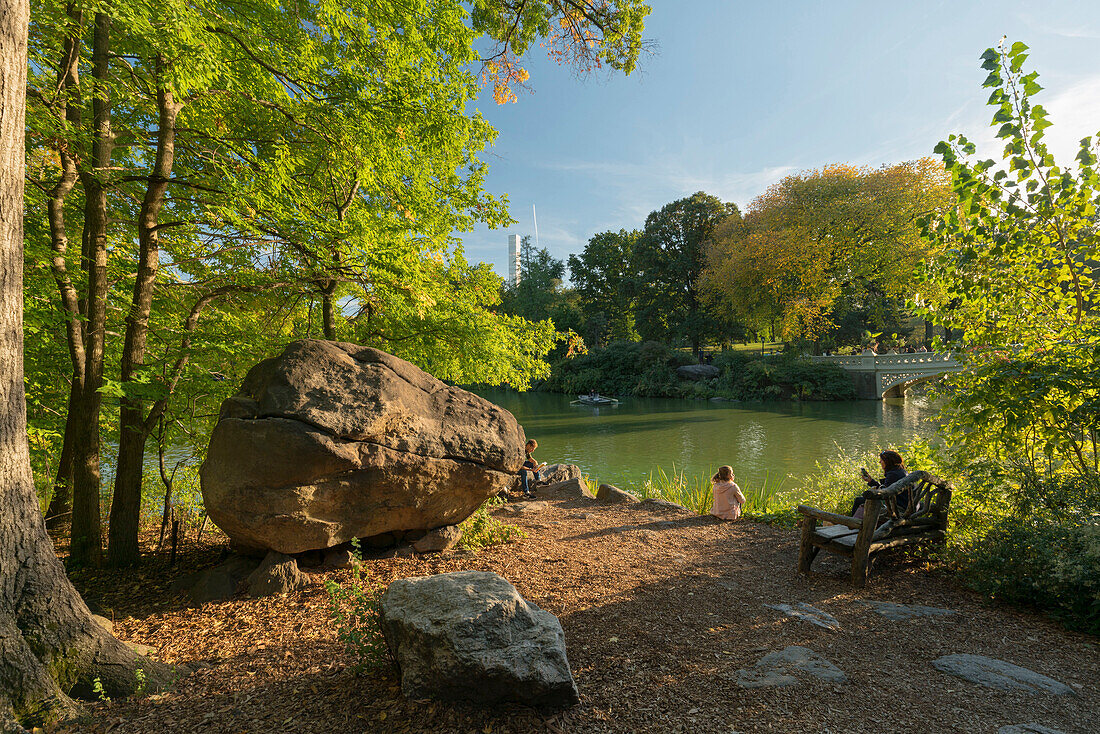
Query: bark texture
x,y
49,644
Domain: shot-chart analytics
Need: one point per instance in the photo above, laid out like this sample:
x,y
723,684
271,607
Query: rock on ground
x,y
332,441
776,668
469,635
219,582
1030,728
902,612
574,488
697,371
439,539
277,574
807,613
555,473
993,673
612,495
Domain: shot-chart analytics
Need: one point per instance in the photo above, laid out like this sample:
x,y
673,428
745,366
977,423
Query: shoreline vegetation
x,y
648,369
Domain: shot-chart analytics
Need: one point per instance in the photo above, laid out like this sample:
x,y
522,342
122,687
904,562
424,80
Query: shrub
x,y
355,611
481,529
1042,564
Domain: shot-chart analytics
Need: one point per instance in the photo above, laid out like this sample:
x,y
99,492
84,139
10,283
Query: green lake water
x,y
774,441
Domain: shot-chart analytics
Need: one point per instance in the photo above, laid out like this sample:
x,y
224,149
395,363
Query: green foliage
x,y
355,612
668,260
1015,278
481,530
99,690
649,370
602,277
1051,566
1015,281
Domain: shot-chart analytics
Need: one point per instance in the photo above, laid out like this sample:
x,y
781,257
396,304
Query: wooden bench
x,y
924,518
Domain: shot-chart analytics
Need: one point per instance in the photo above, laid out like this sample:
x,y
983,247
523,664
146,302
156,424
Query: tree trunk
x,y
61,504
929,332
86,544
122,547
328,315
49,643
58,514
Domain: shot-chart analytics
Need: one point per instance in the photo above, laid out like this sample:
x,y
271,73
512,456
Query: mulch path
x,y
660,610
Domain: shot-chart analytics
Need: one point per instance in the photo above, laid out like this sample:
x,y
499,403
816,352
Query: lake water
x,y
622,445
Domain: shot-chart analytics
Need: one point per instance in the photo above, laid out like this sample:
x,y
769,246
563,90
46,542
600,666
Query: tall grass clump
x,y
693,492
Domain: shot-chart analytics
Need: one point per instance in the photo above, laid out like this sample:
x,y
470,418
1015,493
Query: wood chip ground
x,y
660,611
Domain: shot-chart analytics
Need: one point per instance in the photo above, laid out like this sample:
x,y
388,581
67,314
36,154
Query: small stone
x,y
411,536
807,613
612,495
440,539
902,612
104,623
339,557
998,674
278,574
775,669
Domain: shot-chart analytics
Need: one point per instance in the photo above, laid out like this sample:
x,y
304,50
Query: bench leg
x,y
807,551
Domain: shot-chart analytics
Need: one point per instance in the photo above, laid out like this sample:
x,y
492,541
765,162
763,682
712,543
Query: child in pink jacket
x,y
728,499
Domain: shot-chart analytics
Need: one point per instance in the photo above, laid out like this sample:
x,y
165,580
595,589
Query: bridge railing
x,y
869,360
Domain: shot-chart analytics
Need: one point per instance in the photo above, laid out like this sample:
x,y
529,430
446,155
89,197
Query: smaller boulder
x,y
339,557
697,371
104,623
219,582
440,539
555,473
470,636
612,495
574,488
277,574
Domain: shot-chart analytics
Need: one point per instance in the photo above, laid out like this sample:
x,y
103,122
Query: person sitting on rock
x,y
728,499
893,468
532,466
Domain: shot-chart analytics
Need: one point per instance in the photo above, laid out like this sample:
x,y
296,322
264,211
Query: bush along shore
x,y
649,369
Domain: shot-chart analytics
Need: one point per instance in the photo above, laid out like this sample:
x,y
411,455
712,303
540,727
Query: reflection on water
x,y
622,445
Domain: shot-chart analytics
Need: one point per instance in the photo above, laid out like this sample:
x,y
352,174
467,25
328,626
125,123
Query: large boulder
x,y
470,636
697,371
332,441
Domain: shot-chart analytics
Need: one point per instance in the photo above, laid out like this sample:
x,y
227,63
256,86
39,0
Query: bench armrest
x,y
852,522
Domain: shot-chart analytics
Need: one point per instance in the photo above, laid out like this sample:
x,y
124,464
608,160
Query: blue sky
x,y
740,94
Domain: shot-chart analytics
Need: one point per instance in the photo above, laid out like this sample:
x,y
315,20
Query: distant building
x,y
513,259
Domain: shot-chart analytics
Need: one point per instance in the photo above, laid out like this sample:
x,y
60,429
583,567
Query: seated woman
x,y
530,466
893,468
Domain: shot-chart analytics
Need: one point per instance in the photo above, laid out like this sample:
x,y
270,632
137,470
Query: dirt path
x,y
660,610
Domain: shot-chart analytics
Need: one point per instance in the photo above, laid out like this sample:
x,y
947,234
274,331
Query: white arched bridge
x,y
879,376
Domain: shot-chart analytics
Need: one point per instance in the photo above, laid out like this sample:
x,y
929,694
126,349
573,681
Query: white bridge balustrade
x,y
889,375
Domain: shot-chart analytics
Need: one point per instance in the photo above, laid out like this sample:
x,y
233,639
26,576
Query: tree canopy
x,y
840,232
